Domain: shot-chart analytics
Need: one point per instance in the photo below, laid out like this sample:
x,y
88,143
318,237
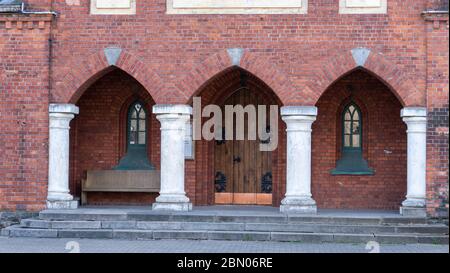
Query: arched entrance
x,y
116,132
359,145
238,171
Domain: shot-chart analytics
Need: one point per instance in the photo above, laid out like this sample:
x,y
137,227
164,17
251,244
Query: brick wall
x,y
283,48
384,146
173,56
24,95
437,104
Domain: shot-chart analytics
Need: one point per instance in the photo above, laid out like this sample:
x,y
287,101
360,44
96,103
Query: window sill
x,y
343,172
352,163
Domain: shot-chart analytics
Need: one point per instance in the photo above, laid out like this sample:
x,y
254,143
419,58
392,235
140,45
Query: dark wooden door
x,y
243,172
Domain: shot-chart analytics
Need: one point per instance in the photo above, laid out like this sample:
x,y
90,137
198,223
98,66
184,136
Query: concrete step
x,y
232,226
198,217
84,216
351,229
46,224
135,234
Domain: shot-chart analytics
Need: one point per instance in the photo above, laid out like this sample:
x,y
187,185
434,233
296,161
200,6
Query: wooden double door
x,y
243,173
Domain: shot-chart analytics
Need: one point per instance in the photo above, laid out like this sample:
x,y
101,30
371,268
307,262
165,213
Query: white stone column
x,y
58,196
298,197
173,119
416,120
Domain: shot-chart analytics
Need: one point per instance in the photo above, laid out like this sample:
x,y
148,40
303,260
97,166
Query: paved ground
x,y
17,245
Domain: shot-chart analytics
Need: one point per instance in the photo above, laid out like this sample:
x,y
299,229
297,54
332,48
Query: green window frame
x,y
137,125
352,161
351,127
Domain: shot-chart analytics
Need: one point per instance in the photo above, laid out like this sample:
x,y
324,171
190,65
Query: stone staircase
x,y
229,225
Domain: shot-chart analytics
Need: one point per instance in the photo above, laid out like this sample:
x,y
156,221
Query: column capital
x,y
415,118
310,111
180,109
63,108
298,118
413,112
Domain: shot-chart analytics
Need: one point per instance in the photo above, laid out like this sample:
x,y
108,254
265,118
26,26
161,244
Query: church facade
x,y
106,103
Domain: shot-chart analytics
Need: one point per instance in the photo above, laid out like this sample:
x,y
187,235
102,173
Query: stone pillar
x,y
298,166
173,119
416,120
58,196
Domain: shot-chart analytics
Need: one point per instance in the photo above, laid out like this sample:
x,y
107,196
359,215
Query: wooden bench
x,y
120,181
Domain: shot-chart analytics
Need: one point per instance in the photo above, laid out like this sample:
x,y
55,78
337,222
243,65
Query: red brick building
x,y
93,62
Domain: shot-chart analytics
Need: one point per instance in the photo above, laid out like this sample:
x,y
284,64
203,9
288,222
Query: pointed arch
x,y
257,64
374,63
81,74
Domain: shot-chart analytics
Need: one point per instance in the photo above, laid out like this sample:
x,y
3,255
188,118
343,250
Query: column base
x,y
172,206
62,204
172,202
414,202
413,211
413,207
59,196
298,205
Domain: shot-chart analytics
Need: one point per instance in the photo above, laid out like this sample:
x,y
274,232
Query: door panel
x,y
239,165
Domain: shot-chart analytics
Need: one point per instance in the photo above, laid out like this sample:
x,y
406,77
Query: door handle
x,y
237,159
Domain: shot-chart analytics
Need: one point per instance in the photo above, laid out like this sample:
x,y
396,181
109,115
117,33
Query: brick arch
x,y
82,73
376,64
257,64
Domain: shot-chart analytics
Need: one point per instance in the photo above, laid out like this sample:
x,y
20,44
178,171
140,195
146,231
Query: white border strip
x,y
237,7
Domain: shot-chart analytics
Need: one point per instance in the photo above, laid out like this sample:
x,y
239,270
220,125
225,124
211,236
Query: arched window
x,y
352,161
136,156
352,127
137,124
